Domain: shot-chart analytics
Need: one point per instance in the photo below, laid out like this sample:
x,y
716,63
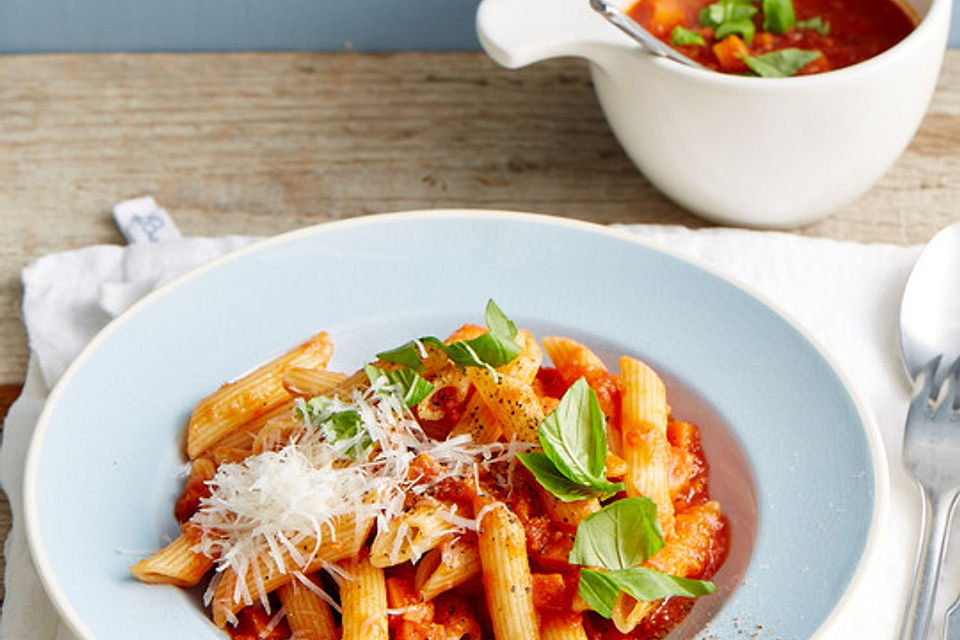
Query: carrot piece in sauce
x,y
730,53
667,14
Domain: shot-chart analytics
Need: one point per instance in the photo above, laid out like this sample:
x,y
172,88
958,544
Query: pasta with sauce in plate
x,y
450,489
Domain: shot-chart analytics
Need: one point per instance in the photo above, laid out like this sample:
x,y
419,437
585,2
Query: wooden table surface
x,y
264,143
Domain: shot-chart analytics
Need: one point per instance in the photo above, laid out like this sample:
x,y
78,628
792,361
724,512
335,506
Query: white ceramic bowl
x,y
763,152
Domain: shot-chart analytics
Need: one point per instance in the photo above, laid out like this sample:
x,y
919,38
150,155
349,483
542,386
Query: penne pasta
x,y
242,438
448,380
308,382
456,619
251,396
562,627
513,403
177,563
574,360
507,580
692,550
308,615
628,612
478,422
234,592
363,597
276,434
645,447
644,397
409,536
447,566
465,333
567,514
525,366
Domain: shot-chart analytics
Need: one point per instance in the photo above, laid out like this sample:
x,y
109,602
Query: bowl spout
x,y
516,34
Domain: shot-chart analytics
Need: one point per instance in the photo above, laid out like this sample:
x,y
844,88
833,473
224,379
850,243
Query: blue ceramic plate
x,y
795,460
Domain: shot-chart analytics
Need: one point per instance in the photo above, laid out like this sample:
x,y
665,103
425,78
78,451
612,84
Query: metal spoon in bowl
x,y
646,39
929,348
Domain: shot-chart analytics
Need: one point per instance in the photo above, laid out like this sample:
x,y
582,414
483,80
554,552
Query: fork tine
x,y
948,390
923,386
946,394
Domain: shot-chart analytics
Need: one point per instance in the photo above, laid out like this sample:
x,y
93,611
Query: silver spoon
x,y
930,309
646,39
930,327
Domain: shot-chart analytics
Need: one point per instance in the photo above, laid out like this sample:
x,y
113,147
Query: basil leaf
x,y
574,435
410,386
550,478
778,16
494,348
681,36
817,24
743,27
599,592
344,429
501,326
407,354
714,15
621,535
600,589
574,441
729,17
649,584
566,490
781,64
462,353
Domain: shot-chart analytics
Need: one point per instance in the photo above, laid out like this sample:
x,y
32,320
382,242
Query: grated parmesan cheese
x,y
265,504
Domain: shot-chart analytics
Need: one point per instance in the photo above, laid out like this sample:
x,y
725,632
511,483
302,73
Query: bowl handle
x,y
516,33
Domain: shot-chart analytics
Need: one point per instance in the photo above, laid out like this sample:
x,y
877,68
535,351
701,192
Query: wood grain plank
x,y
8,393
263,143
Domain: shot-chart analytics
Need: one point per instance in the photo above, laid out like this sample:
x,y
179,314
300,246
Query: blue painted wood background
x,y
232,25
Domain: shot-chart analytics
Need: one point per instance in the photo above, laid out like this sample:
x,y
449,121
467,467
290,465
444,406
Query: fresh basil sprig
x,y
782,63
601,588
574,441
681,36
493,349
778,16
342,428
408,355
815,23
743,28
620,537
408,384
551,479
728,17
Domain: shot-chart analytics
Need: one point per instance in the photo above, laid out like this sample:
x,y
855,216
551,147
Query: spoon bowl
x,y
930,309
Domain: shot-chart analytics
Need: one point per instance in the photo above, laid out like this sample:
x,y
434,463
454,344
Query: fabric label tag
x,y
142,221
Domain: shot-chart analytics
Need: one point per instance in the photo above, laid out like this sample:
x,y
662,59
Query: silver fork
x,y
931,452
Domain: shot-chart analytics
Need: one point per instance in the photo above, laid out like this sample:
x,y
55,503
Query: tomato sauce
x,y
256,624
858,30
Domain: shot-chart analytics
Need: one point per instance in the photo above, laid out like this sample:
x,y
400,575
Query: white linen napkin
x,y
844,294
